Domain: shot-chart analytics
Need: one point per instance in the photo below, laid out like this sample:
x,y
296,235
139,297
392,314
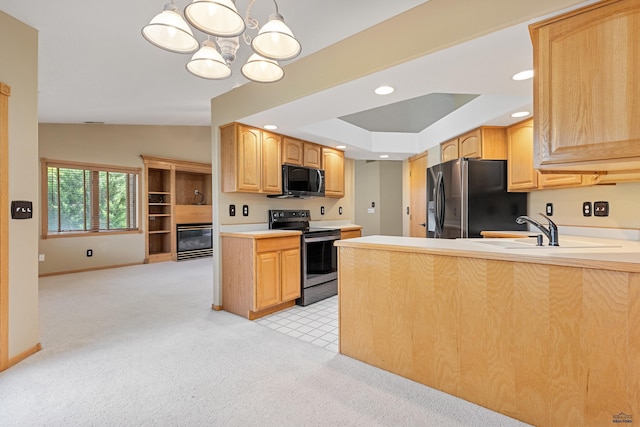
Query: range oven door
x,y
319,267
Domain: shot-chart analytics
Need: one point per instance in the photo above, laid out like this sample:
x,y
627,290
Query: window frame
x,y
94,167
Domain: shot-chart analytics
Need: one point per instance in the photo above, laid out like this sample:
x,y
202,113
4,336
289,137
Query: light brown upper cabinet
x,y
333,163
449,150
586,90
486,142
292,151
301,153
521,174
312,155
251,160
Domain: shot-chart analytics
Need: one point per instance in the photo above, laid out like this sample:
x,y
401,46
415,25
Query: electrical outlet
x,y
232,210
601,208
41,257
245,210
549,209
586,209
340,210
89,252
321,210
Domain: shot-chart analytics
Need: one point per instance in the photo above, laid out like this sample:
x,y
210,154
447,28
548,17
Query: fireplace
x,y
194,241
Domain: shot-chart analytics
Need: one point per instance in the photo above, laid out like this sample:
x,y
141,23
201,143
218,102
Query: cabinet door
x,y
449,150
470,145
271,163
586,91
521,176
292,151
333,161
267,279
312,155
248,166
290,275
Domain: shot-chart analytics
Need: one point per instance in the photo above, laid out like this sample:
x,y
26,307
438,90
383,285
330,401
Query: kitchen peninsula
x,y
549,336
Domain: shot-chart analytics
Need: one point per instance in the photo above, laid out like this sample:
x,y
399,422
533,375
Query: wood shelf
x,y
171,183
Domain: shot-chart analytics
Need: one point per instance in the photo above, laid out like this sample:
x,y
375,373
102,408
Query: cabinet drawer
x,y
277,243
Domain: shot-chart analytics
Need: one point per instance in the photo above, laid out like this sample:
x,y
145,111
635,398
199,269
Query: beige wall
x,y
624,205
379,182
19,69
117,145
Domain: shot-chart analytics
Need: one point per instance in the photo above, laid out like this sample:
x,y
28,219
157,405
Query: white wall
x,y
19,69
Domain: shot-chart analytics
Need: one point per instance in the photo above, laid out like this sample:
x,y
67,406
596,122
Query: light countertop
x,y
260,234
607,254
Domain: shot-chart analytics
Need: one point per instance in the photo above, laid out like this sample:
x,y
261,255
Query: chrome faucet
x,y
551,232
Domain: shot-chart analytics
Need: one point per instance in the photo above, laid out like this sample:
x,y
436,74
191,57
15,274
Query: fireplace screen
x,y
194,241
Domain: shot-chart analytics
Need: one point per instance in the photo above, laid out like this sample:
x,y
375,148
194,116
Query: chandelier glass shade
x,y
169,31
275,40
208,63
215,17
262,70
220,18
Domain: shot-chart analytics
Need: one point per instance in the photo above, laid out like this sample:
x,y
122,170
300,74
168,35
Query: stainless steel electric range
x,y
319,257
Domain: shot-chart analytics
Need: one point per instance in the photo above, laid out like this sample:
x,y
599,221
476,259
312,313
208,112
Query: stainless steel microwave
x,y
302,182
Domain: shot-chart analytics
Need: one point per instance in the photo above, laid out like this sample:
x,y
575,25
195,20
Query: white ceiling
x,y
94,66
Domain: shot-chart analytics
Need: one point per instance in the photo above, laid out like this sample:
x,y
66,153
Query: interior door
x,y
418,196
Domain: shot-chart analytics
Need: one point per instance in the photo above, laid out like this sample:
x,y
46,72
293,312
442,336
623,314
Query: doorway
x,y
418,195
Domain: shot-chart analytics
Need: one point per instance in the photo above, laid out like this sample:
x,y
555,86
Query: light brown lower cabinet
x,y
550,345
259,275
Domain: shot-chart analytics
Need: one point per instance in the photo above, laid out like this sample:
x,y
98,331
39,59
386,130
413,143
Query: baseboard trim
x,y
20,357
82,270
216,307
253,315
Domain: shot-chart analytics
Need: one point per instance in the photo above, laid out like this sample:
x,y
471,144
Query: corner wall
x,y
19,69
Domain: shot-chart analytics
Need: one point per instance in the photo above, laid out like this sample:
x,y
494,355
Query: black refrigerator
x,y
467,196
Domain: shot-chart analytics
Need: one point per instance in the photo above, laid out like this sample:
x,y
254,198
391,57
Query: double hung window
x,y
88,198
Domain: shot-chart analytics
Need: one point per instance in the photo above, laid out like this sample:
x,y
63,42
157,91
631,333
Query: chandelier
x,y
219,18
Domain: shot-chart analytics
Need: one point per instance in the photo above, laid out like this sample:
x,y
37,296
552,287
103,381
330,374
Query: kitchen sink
x,y
530,243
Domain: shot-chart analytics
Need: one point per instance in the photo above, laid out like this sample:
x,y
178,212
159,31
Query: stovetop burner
x,y
294,220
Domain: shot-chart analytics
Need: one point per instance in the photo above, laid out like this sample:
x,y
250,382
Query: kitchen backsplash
x,y
624,205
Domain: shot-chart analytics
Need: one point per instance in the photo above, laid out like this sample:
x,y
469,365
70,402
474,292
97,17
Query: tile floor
x,y
317,323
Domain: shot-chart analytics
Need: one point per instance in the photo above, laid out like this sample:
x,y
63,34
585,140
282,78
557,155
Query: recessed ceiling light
x,y
384,156
384,90
520,114
341,147
270,127
523,75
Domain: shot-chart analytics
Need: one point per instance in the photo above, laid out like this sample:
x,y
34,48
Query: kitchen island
x,y
549,336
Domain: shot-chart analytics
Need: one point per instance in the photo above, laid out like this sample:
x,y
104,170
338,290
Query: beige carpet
x,y
140,346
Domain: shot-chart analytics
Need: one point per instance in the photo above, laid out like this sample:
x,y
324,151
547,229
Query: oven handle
x,y
320,239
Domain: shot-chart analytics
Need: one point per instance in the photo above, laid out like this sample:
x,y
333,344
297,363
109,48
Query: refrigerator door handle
x,y
440,204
